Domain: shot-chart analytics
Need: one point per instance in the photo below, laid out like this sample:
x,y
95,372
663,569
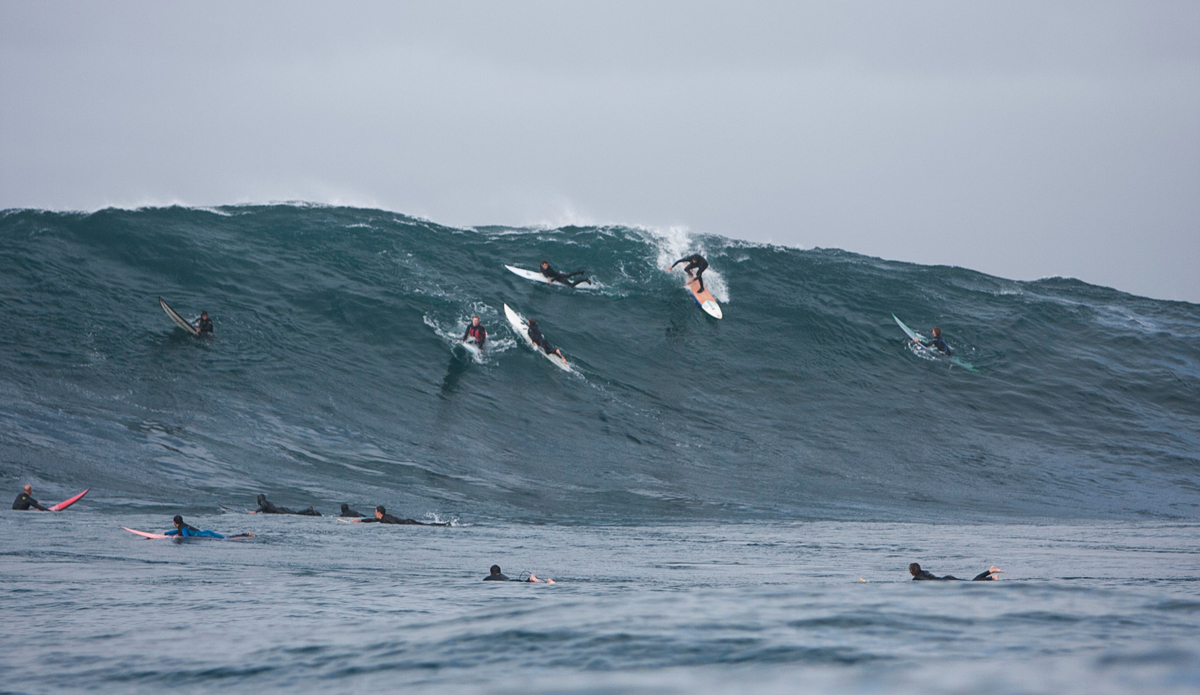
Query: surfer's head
x,y
345,509
914,569
474,320
545,263
203,314
496,570
178,520
532,322
380,511
28,489
261,499
937,332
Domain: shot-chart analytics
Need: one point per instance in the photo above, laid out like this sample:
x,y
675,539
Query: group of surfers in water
x,y
181,529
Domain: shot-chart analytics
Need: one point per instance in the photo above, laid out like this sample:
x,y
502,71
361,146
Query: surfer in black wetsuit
x,y
204,324
382,517
265,507
25,500
919,574
475,332
497,576
348,512
564,278
937,343
695,262
535,334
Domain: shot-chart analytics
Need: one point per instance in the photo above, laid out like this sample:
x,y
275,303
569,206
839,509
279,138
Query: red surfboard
x,y
68,502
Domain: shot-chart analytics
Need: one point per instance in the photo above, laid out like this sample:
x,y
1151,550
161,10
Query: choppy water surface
x,y
314,605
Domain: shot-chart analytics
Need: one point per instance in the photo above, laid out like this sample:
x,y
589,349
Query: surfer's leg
x,y
989,574
580,282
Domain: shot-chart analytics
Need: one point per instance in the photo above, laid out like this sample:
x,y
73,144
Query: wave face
x,y
332,377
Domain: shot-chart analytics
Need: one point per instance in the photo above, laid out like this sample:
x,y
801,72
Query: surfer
x,y
475,332
936,342
348,512
25,500
265,507
695,262
204,324
535,335
187,531
498,576
382,517
555,276
919,574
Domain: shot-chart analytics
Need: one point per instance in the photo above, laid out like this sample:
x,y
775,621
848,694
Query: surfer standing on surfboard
x,y
555,276
25,500
694,262
475,332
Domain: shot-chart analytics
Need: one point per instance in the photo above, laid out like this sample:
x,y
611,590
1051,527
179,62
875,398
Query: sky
x,y
1021,139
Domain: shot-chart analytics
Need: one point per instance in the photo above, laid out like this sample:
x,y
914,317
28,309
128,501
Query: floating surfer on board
x,y
382,517
695,262
183,530
565,278
475,332
498,576
919,574
535,335
25,500
265,507
348,512
936,342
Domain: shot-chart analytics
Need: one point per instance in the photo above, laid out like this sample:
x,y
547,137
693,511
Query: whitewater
x,y
728,505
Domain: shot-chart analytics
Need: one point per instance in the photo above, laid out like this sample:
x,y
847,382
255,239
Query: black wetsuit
x,y
540,340
556,276
497,577
265,507
478,333
389,519
926,575
204,326
347,511
24,502
694,262
939,345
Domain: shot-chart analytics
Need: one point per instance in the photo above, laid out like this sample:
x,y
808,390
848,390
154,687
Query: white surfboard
x,y
471,347
179,320
704,298
521,327
536,276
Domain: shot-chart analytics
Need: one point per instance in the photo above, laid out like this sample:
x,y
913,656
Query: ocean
x,y
726,505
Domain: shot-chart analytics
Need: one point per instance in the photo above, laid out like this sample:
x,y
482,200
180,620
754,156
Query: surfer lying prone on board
x,y
535,335
25,500
382,517
564,278
475,332
498,576
695,262
919,574
265,507
936,342
186,531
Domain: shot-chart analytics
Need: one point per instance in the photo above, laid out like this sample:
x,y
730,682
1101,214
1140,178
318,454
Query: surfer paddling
x,y
475,332
25,500
539,340
265,507
553,275
497,576
919,574
348,512
382,517
204,325
936,342
183,530
696,265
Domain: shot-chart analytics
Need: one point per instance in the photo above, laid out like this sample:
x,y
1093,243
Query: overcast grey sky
x,y
1021,139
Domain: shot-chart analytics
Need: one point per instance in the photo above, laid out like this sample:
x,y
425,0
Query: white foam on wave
x,y
674,243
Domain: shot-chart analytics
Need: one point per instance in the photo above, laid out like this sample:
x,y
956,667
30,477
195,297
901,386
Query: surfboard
x,y
159,536
179,320
536,276
67,502
705,299
471,347
913,335
521,327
